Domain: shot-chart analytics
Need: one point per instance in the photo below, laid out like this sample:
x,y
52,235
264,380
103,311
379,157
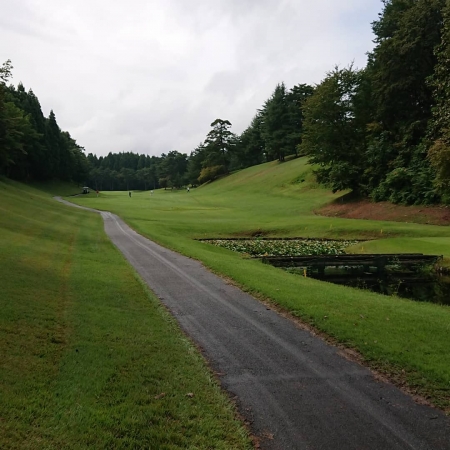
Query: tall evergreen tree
x,y
219,142
296,98
250,144
195,164
53,143
37,161
275,129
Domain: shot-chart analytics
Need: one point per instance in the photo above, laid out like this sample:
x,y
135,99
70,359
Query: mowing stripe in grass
x,y
89,358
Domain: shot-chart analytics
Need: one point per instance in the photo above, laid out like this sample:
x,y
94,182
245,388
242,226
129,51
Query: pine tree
x,y
296,98
52,139
250,144
275,124
219,142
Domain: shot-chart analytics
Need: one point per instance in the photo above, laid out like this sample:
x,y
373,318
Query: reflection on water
x,y
415,286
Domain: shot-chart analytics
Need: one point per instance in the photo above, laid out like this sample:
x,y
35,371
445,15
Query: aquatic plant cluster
x,y
285,247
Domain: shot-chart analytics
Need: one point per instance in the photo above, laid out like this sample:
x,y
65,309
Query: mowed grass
x,y
88,357
404,339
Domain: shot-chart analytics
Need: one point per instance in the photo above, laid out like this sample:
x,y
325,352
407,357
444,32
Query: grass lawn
x,y
88,357
405,339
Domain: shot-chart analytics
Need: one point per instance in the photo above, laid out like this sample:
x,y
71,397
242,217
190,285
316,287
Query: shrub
x,y
211,173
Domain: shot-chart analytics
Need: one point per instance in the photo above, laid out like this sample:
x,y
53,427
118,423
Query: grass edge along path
x,y
89,357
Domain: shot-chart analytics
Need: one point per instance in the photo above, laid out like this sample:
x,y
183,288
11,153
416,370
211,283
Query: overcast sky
x,y
149,76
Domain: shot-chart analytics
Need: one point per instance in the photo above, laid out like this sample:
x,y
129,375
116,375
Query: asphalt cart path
x,y
295,391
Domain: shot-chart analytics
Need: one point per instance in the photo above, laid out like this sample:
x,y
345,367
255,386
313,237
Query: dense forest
x,y
33,147
382,131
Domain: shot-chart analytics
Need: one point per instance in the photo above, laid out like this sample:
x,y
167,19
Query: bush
x,y
211,173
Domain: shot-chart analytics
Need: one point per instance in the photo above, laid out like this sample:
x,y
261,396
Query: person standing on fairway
x,y
129,194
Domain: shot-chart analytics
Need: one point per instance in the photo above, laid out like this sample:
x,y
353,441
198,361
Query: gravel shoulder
x,y
294,390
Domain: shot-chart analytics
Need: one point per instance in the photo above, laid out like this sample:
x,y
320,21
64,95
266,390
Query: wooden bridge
x,y
368,262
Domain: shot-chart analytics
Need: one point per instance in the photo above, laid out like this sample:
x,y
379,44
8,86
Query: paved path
x,y
296,391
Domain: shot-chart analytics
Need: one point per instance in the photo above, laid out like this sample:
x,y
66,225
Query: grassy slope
x,y
408,340
88,357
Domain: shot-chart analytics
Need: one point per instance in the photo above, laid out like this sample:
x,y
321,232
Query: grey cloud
x,y
150,76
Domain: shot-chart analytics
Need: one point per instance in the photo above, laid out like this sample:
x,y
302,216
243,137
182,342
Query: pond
x,y
420,286
425,287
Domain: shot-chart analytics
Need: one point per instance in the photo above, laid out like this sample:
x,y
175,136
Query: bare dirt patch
x,y
365,209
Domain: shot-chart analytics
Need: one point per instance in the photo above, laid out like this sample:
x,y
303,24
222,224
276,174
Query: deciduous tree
x,y
335,129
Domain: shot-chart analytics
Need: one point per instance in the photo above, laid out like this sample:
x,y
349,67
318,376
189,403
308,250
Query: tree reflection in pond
x,y
415,286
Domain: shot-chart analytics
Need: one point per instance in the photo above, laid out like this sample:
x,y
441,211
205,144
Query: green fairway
x,y
88,356
405,339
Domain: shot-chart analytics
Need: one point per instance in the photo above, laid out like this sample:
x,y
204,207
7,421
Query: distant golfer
x,y
129,194
97,192
151,192
188,189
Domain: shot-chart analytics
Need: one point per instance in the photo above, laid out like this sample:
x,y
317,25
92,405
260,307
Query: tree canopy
x,y
33,147
374,135
381,131
335,129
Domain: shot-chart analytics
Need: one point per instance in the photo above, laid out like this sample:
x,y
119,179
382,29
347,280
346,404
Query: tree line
x,y
382,131
33,147
275,131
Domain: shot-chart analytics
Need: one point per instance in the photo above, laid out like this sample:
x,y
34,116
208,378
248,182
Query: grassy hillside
x,y
88,357
407,340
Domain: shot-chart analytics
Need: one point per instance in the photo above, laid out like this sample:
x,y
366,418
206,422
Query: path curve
x,y
295,391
